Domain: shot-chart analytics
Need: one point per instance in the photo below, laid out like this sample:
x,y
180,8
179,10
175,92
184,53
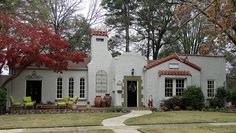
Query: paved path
x,y
117,125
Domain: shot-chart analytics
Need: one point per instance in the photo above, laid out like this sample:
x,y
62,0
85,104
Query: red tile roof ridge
x,y
173,72
202,55
170,57
99,33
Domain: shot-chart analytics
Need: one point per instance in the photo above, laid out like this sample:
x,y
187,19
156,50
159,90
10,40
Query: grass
x,y
88,131
220,129
54,120
181,117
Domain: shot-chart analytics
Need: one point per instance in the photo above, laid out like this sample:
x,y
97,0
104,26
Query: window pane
x,y
71,87
101,81
168,87
179,87
210,88
82,88
59,88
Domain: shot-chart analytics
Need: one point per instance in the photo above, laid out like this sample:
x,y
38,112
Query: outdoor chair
x,y
13,102
63,103
28,102
73,102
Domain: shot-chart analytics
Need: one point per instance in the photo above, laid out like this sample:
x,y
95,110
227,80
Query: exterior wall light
x,y
132,72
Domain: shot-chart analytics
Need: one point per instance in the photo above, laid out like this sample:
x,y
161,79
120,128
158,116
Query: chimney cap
x,y
99,33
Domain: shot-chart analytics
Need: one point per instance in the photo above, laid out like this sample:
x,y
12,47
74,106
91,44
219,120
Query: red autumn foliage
x,y
23,44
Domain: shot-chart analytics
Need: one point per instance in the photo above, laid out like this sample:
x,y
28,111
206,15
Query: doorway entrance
x,y
132,93
34,89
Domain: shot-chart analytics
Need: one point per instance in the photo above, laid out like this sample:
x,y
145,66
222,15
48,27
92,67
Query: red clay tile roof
x,y
170,57
206,55
99,33
173,72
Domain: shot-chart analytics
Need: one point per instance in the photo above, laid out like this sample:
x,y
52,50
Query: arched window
x,y
82,88
101,81
59,88
71,87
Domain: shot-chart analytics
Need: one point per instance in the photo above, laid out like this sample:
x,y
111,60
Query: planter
x,y
104,103
108,99
164,108
98,101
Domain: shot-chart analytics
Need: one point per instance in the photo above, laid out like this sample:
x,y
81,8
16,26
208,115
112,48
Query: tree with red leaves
x,y
23,44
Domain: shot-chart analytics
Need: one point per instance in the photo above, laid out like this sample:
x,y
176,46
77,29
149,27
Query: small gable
x,y
170,57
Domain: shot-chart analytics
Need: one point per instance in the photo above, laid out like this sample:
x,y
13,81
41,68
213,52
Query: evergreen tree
x,y
120,16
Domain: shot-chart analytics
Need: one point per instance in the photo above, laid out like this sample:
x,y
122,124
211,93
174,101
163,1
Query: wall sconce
x,y
132,72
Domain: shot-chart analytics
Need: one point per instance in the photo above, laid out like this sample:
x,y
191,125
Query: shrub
x,y
154,109
222,95
3,99
216,102
233,96
172,102
194,97
119,109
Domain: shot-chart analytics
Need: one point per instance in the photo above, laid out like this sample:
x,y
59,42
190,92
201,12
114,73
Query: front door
x,y
33,89
132,93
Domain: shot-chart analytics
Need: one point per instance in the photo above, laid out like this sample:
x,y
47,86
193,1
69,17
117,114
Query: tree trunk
x,y
153,46
126,6
148,46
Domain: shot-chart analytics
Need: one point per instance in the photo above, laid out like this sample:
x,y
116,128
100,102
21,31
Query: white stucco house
x,y
129,78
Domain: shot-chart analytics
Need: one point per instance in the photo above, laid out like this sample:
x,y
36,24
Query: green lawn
x,y
88,131
181,117
54,120
221,129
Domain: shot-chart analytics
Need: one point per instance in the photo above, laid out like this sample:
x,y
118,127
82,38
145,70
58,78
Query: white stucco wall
x,y
49,83
155,85
101,60
122,66
212,68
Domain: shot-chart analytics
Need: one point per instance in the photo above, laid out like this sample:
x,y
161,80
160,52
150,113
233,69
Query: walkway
x,y
117,125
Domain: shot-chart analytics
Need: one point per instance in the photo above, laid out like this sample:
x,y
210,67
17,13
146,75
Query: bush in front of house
x,y
119,109
223,93
194,97
3,99
233,96
222,96
216,103
173,103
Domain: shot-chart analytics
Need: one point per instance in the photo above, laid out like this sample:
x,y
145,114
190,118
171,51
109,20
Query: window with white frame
x,y
210,88
59,88
82,88
174,87
168,87
71,87
179,87
101,81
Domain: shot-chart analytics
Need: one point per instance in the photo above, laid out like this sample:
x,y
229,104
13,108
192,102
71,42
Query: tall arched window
x,y
82,88
101,81
59,88
71,87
